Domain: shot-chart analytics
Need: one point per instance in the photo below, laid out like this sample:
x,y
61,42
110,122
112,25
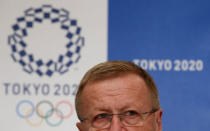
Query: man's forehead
x,y
120,87
123,82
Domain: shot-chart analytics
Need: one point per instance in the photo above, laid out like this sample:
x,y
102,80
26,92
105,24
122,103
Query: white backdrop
x,y
45,48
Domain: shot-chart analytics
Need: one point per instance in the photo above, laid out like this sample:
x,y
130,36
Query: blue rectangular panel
x,y
170,39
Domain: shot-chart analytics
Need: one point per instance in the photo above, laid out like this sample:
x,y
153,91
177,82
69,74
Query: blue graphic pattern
x,y
27,60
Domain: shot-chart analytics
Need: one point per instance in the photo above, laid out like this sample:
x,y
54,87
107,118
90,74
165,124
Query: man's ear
x,y
159,114
79,126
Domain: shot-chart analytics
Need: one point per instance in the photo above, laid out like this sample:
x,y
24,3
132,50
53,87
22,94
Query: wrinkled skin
x,y
116,95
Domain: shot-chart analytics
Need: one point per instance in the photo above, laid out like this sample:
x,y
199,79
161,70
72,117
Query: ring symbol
x,y
37,123
20,104
49,122
69,114
45,115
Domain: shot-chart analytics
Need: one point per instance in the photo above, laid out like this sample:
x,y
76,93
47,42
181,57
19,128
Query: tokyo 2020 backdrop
x,y
47,45
170,39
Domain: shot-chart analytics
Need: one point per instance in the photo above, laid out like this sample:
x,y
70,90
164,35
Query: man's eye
x,y
131,113
101,116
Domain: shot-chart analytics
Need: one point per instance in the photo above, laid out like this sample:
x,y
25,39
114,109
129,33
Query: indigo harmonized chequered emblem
x,y
28,60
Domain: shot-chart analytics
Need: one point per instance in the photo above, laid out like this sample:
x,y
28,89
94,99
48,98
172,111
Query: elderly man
x,y
118,96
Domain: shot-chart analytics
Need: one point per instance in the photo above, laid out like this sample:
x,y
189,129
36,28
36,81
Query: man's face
x,y
115,96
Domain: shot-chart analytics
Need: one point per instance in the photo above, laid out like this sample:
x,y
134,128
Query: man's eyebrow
x,y
123,108
102,108
131,106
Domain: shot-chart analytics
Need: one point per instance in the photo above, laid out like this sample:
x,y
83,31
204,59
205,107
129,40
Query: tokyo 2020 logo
x,y
29,62
44,110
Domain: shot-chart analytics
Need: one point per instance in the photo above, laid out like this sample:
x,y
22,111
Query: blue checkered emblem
x,y
27,60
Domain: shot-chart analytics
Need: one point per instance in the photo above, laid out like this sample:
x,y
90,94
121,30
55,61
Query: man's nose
x,y
116,124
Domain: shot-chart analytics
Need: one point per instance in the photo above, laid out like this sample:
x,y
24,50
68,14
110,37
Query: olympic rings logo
x,y
44,110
